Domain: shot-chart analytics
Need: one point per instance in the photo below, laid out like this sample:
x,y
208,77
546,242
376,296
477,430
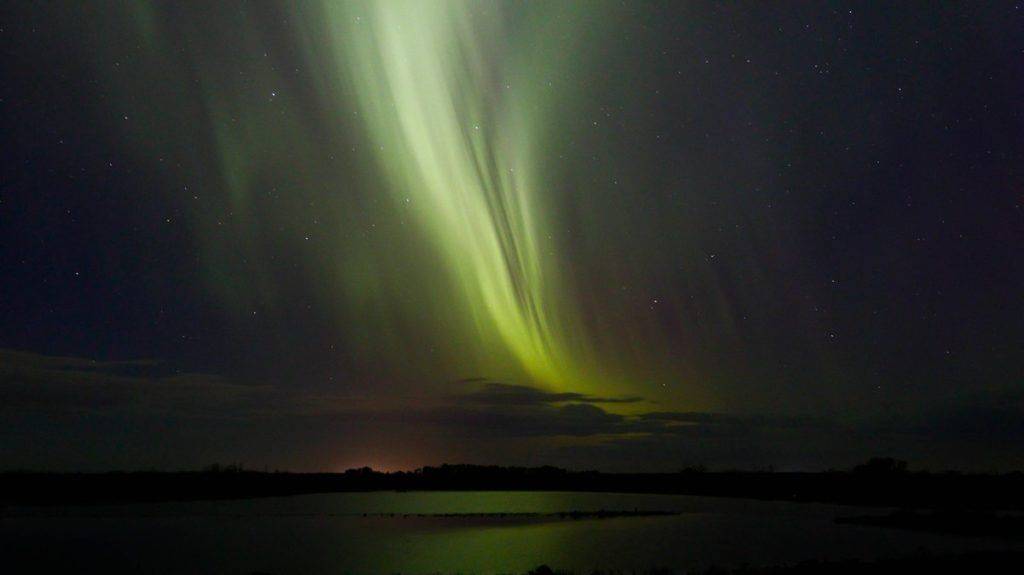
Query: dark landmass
x,y
92,511
976,562
575,514
981,524
879,483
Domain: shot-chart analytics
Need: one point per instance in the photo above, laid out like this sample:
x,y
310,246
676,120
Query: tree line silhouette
x,y
878,482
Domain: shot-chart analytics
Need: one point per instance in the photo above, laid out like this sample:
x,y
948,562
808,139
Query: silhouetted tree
x,y
882,466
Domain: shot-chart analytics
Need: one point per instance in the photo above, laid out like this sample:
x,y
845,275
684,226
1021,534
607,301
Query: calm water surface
x,y
329,533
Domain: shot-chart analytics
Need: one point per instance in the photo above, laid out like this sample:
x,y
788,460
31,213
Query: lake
x,y
407,532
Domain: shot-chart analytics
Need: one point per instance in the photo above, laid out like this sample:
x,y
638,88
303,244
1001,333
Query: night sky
x,y
619,235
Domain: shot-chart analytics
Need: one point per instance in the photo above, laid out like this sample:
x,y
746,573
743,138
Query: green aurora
x,y
457,127
413,150
595,234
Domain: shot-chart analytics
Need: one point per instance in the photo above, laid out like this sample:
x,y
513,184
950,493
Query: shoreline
x,y
891,490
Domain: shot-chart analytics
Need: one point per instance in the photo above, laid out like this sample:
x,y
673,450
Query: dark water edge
x,y
884,489
965,563
992,562
438,532
973,524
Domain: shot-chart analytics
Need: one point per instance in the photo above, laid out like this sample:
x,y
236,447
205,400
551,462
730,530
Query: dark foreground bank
x,y
981,562
870,485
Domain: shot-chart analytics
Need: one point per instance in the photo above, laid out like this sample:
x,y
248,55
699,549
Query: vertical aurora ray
x,y
454,135
394,170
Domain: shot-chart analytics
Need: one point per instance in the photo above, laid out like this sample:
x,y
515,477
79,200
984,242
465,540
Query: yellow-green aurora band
x,y
456,133
395,159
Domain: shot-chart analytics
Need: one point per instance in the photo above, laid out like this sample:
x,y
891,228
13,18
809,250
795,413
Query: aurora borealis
x,y
458,142
619,235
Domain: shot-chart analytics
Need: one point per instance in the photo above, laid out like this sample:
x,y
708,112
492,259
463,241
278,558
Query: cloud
x,y
497,393
37,383
32,383
993,417
522,420
145,412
